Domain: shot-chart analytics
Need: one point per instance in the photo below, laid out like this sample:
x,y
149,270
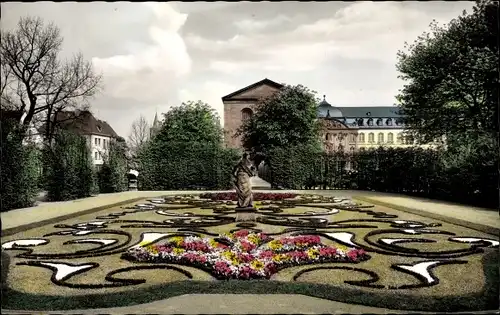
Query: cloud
x,y
362,30
210,92
150,67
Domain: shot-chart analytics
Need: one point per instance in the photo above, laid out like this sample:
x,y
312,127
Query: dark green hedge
x,y
112,176
70,173
185,165
416,171
19,172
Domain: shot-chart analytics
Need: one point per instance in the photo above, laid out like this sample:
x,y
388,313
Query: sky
x,y
157,55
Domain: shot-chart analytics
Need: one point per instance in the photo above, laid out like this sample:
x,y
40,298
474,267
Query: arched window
x,y
246,114
370,122
389,122
399,138
360,122
353,137
379,122
362,138
390,137
380,137
371,137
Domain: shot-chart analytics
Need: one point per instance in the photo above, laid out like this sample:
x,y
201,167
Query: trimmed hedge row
x,y
70,173
401,170
19,172
185,165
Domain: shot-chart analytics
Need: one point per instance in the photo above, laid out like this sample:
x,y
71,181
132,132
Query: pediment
x,y
254,91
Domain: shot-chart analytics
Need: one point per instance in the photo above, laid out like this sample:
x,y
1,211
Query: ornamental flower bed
x,y
256,196
244,255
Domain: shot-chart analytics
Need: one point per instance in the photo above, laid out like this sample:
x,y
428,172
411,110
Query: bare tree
x,y
36,81
139,134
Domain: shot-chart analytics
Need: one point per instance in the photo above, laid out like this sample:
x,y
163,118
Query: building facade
x,y
346,129
98,133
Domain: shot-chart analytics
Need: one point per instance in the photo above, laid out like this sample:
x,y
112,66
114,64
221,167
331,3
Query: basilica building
x,y
346,129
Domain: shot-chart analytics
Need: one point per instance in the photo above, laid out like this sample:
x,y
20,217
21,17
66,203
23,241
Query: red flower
x,y
241,233
352,254
266,254
247,246
327,251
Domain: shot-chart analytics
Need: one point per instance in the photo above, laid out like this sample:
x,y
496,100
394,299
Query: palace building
x,y
346,129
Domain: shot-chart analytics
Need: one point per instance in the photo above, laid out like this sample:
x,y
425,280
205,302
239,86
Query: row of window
x,y
97,142
380,138
379,122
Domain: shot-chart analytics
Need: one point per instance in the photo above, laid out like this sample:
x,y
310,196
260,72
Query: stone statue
x,y
242,173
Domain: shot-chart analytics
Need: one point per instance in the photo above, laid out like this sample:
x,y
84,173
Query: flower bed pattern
x,y
244,255
257,196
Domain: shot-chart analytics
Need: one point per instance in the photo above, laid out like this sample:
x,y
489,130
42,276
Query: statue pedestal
x,y
246,214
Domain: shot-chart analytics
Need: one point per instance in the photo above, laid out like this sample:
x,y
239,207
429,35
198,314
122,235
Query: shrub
x,y
113,173
185,165
70,173
19,172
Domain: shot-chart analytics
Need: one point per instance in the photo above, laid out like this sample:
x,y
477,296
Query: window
x,y
352,149
389,122
360,122
371,137
327,136
370,122
104,143
390,137
399,138
99,128
99,141
96,155
379,122
380,137
95,141
362,138
341,147
398,122
353,137
246,114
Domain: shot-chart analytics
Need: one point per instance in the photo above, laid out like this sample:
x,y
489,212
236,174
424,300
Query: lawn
x,y
319,246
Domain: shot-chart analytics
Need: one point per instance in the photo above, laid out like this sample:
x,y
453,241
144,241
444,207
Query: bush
x,y
70,173
465,173
185,165
19,172
113,173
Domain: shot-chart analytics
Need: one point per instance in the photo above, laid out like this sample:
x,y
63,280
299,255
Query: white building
x,y
98,133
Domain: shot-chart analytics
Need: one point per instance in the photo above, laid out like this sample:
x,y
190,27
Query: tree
x,y
288,118
191,122
35,80
139,135
112,176
452,76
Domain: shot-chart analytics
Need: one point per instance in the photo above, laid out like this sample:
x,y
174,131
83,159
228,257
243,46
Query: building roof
x,y
84,122
266,81
326,110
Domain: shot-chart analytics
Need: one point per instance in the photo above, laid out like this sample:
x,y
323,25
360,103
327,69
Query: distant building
x,y
346,129
155,127
98,133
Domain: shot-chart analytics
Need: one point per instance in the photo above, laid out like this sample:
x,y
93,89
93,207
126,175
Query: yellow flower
x,y
229,255
257,264
178,251
275,245
343,248
280,257
235,262
152,249
213,243
177,240
253,238
312,253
